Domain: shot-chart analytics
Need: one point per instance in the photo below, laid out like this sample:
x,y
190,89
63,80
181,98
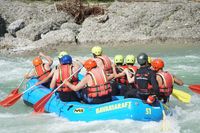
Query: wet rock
x,y
15,26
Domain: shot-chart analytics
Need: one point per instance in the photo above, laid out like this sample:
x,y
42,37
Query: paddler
x,y
64,71
144,80
95,85
165,80
41,69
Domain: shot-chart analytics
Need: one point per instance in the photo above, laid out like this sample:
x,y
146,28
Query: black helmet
x,y
142,58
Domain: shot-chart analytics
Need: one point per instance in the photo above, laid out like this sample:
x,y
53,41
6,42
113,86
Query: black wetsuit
x,y
143,77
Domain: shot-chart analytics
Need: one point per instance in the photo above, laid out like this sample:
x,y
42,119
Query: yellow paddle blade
x,y
181,95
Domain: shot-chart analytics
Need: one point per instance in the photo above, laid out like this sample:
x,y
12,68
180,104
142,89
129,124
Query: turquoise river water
x,y
182,61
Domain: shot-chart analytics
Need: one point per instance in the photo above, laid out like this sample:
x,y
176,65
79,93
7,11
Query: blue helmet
x,y
66,59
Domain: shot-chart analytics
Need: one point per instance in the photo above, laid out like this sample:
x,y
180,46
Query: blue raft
x,y
118,109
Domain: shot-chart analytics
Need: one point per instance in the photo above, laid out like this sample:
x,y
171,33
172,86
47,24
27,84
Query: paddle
x,y
164,123
39,106
13,98
14,91
181,96
195,88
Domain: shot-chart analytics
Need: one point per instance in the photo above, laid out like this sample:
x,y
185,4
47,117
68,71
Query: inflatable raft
x,y
118,109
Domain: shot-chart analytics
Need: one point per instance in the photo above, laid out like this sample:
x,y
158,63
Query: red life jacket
x,y
149,86
101,86
133,69
41,72
64,73
168,81
123,79
107,63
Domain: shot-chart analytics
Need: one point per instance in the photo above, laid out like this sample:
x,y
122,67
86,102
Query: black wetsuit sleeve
x,y
154,83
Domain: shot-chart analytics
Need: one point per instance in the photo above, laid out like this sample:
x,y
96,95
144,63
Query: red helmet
x,y
89,64
157,64
37,61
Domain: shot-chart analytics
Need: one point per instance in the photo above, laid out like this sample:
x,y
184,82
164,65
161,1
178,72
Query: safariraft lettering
x,y
113,107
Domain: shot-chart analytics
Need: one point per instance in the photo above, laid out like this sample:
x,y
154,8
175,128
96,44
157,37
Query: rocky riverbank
x,y
25,28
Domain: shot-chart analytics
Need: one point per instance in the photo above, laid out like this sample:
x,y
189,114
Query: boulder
x,y
56,38
33,31
72,26
15,26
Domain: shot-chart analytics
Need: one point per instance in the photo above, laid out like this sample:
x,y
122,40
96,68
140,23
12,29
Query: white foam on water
x,y
114,126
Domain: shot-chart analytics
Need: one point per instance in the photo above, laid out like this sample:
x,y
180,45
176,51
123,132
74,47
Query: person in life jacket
x,y
165,80
129,65
119,83
144,80
103,61
49,77
95,85
41,69
63,72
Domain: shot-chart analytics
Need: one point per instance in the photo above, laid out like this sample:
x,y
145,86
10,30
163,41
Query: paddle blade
x,y
9,97
11,100
195,88
39,106
15,91
181,96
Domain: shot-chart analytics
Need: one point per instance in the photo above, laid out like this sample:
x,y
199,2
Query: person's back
x,y
95,85
41,69
103,61
98,88
62,73
120,83
50,75
130,63
165,80
145,79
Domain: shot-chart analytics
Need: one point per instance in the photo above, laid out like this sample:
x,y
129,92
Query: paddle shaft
x,y
24,79
28,89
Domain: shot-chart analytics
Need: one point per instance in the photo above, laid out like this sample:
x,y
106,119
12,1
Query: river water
x,y
182,61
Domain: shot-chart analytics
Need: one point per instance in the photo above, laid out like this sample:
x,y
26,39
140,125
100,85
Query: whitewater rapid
x,y
19,118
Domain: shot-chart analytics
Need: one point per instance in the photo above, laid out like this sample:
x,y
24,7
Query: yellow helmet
x,y
97,50
119,59
149,59
61,54
130,59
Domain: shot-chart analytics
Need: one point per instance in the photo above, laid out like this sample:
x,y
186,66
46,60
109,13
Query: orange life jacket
x,y
101,86
41,72
168,81
107,63
123,79
64,73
